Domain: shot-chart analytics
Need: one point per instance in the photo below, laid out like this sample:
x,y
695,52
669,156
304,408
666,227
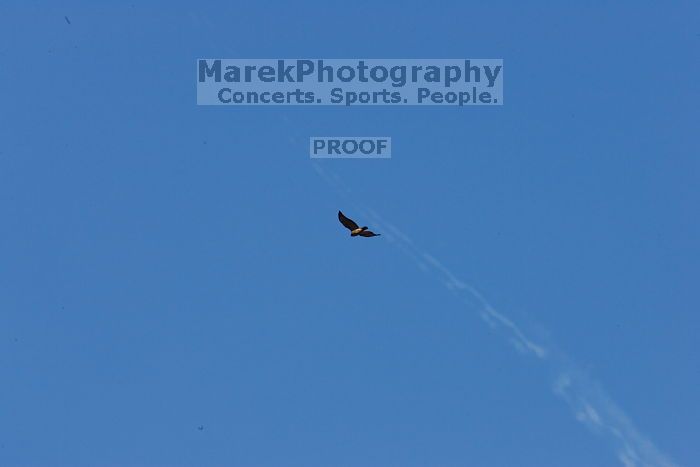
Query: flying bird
x,y
355,229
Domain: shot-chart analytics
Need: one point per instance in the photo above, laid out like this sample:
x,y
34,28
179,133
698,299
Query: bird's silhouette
x,y
355,229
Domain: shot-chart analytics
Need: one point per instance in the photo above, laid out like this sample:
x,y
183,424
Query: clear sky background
x,y
166,267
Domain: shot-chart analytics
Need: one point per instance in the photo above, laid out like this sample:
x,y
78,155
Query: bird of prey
x,y
355,229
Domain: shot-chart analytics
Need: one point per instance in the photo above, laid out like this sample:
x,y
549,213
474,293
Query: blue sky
x,y
166,267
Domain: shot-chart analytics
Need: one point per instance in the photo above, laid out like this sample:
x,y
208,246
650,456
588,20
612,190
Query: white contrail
x,y
588,401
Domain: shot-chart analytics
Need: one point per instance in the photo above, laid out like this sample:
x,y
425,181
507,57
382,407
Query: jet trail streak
x,y
588,401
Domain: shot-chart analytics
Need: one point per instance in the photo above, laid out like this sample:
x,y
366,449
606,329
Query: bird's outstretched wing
x,y
347,222
368,233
